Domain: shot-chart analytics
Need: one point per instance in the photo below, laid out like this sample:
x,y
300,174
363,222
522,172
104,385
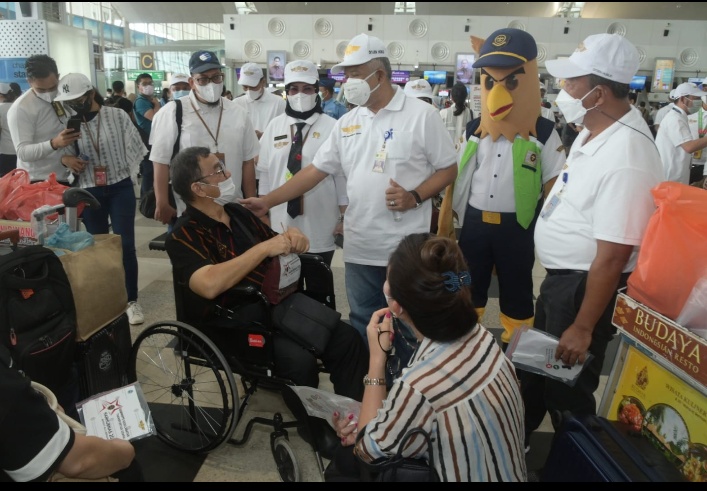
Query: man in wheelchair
x,y
217,245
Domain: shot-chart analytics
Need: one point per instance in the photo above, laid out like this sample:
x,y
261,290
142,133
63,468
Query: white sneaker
x,y
135,315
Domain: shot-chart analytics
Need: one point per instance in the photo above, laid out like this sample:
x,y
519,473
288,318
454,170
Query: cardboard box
x,y
27,236
684,350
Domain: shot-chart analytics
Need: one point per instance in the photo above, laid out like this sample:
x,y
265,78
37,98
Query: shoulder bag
x,y
403,469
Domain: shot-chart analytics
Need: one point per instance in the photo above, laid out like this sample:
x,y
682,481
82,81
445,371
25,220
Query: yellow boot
x,y
510,325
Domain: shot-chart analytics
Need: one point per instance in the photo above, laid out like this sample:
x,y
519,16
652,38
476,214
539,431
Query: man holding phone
x,y
37,123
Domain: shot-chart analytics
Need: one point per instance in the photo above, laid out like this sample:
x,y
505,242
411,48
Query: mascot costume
x,y
511,155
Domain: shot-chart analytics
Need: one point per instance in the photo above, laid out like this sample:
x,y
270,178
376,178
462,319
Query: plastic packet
x,y
694,314
533,350
64,238
119,413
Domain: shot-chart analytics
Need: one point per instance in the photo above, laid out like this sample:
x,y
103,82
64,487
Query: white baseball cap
x,y
686,89
179,78
418,88
610,56
361,49
251,74
72,86
671,95
5,88
301,71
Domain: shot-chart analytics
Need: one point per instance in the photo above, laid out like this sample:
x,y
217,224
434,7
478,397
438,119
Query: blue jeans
x,y
364,289
117,203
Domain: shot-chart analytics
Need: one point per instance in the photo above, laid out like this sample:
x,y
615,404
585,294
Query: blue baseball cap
x,y
507,47
202,61
327,82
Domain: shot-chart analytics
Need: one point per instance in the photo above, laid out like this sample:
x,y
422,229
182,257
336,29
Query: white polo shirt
x,y
321,204
606,197
698,127
236,138
660,114
262,111
418,145
33,123
673,132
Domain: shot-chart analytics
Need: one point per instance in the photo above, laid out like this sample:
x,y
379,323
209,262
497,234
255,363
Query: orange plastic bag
x,y
23,200
11,181
673,255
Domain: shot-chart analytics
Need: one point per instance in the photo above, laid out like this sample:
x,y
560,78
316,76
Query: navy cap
x,y
327,82
202,61
507,47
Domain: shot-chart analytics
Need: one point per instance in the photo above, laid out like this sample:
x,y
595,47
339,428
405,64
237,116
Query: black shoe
x,y
324,440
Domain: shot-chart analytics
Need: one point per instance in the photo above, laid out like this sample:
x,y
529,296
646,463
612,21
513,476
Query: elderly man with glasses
x,y
208,120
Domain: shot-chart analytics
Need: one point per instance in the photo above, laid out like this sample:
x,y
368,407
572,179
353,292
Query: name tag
x,y
492,217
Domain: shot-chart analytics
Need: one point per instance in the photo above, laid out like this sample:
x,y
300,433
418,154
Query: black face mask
x,y
81,108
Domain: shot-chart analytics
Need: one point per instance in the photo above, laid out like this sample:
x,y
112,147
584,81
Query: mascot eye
x,y
511,82
488,83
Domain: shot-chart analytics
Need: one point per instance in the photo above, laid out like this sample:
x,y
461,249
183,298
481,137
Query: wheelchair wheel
x,y
285,460
188,385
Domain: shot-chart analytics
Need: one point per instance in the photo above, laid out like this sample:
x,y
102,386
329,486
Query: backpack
x,y
112,101
38,316
148,202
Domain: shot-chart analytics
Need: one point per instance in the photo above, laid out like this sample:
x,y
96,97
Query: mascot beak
x,y
499,102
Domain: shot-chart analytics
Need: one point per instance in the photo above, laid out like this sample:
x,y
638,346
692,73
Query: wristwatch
x,y
418,200
373,381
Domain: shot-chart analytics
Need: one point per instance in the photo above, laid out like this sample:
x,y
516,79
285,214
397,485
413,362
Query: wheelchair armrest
x,y
249,291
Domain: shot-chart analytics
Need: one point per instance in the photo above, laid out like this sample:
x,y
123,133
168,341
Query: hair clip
x,y
454,282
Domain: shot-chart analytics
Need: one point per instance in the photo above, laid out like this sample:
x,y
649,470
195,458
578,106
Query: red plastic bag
x,y
20,203
673,255
11,181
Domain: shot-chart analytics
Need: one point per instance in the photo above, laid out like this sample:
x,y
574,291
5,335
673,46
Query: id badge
x,y
550,207
698,154
100,175
492,217
379,163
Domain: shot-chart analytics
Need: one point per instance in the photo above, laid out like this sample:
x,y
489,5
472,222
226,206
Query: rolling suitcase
x,y
103,358
594,449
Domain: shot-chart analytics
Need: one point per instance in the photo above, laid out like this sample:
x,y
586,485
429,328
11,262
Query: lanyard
x,y
218,128
97,142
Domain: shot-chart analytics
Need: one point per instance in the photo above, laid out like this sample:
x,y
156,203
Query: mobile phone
x,y
74,124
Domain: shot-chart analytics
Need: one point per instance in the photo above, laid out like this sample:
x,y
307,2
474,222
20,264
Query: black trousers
x,y
556,309
7,163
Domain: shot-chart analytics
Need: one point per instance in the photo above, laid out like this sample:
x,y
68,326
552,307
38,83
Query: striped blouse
x,y
121,147
465,394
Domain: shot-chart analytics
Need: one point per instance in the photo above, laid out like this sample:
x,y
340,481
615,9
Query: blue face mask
x,y
179,93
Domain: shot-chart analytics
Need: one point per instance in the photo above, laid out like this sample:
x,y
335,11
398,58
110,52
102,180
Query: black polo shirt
x,y
198,240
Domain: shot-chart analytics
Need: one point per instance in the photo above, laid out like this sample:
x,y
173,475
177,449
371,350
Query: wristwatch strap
x,y
418,200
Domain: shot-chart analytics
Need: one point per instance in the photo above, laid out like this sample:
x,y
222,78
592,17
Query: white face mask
x,y
211,92
571,108
47,96
147,90
357,90
254,95
694,106
302,102
227,191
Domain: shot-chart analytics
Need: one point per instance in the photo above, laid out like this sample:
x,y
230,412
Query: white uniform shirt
x,y
673,132
236,138
321,204
6,145
419,146
492,187
547,113
606,197
456,125
660,114
697,131
262,111
33,123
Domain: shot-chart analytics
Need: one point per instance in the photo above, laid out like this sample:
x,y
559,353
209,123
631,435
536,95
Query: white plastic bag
x,y
694,314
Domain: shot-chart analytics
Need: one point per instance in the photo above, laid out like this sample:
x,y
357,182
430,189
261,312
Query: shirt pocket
x,y
399,148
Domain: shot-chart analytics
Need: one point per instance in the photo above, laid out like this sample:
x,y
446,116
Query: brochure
x,y
119,413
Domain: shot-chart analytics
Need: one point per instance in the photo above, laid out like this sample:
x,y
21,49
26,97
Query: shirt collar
x,y
632,118
310,120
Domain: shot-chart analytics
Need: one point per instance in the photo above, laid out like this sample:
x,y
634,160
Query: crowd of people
x,y
259,176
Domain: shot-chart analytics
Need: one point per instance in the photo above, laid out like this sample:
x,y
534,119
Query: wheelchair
x,y
187,375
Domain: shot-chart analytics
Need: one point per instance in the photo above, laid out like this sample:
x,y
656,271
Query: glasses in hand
x,y
202,81
392,362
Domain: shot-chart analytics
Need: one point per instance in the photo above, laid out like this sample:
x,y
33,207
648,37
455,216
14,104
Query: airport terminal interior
x,y
428,41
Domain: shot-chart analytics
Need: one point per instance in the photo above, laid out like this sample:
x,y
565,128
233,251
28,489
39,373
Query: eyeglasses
x,y
392,362
202,81
221,170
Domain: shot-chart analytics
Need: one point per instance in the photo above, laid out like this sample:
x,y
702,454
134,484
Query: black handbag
x,y
307,321
403,469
